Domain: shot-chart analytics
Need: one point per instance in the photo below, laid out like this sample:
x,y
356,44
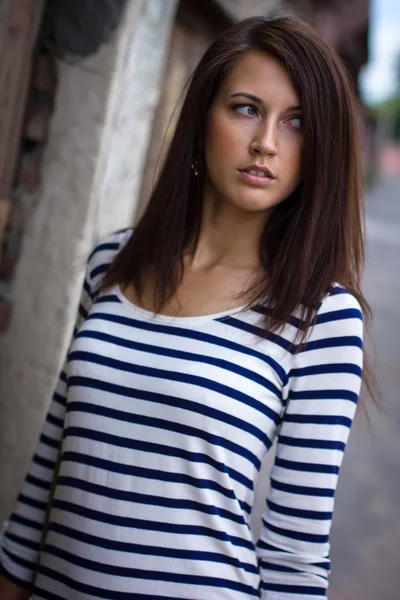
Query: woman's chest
x,y
199,293
201,384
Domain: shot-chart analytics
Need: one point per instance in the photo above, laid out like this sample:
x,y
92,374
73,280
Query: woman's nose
x,y
266,139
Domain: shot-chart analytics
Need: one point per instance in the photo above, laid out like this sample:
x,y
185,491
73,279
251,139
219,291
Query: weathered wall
x,y
98,140
241,9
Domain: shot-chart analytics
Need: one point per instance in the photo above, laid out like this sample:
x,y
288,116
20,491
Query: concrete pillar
x,y
91,176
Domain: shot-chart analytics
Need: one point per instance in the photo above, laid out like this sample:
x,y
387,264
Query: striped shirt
x,y
164,423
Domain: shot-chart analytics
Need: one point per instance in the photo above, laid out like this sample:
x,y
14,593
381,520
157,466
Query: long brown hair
x,y
314,237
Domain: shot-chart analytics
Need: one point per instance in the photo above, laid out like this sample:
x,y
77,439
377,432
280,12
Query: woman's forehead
x,y
261,75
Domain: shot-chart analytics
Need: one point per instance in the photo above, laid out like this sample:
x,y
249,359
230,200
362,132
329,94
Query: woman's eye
x,y
248,110
297,122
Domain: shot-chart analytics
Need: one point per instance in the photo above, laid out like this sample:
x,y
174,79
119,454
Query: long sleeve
x,y
322,390
22,534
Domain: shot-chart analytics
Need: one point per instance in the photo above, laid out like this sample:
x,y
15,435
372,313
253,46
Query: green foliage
x,y
371,178
388,112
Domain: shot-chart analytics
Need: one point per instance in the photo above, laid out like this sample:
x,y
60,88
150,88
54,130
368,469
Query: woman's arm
x,y
22,534
322,391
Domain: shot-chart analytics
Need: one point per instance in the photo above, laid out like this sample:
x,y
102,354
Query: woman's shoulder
x,y
340,298
104,253
339,316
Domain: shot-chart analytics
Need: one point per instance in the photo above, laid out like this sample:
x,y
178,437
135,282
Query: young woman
x,y
230,317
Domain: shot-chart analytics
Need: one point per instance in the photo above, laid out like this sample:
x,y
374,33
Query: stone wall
x,y
92,166
241,9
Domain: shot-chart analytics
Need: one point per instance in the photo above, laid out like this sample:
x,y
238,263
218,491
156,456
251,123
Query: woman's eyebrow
x,y
259,101
246,95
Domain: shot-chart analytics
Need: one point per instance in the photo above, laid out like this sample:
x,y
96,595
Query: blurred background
x,y
87,90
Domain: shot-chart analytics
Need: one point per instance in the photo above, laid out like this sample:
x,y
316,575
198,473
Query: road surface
x,y
366,529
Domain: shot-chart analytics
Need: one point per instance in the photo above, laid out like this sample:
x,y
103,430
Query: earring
x,y
194,167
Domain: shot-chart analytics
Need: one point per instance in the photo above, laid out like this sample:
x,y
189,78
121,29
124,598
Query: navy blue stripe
x,y
174,503
333,342
107,298
26,522
135,471
196,457
186,356
47,441
258,331
114,246
146,525
279,568
335,315
163,424
40,483
54,420
82,312
22,562
100,270
327,369
175,402
59,399
323,565
138,574
303,490
299,513
44,462
278,551
339,315
46,595
39,504
310,443
319,419
197,380
308,467
284,555
324,395
191,334
130,496
300,536
338,290
294,589
147,550
22,541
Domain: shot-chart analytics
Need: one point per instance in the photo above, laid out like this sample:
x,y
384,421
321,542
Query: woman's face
x,y
255,137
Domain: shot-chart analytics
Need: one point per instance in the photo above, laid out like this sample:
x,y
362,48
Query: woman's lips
x,y
256,180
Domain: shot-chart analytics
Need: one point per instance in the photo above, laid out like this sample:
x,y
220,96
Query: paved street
x,y
366,530
365,536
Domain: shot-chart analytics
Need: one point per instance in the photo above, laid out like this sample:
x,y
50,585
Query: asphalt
x,y
365,538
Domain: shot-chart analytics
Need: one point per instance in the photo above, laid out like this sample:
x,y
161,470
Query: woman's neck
x,y
228,237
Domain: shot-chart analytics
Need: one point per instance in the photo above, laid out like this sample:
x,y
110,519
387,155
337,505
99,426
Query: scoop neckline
x,y
148,315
